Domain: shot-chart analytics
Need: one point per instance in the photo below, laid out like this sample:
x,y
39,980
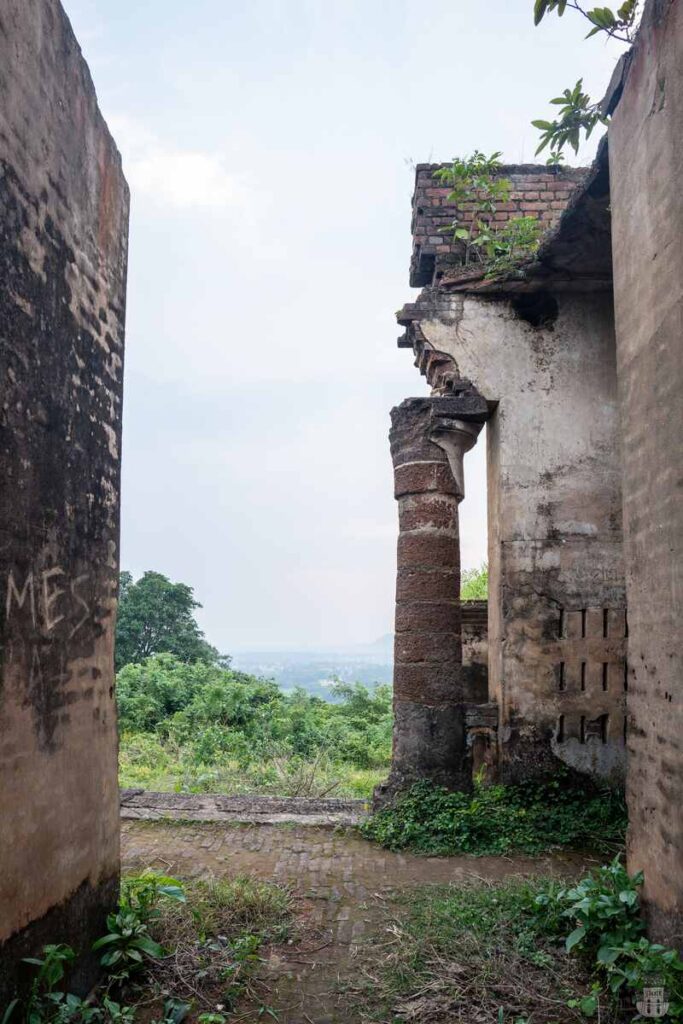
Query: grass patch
x,y
215,937
150,762
229,908
472,953
172,953
523,952
556,813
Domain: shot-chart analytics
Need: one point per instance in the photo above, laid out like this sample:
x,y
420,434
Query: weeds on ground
x,y
216,936
531,818
536,952
459,953
152,762
176,952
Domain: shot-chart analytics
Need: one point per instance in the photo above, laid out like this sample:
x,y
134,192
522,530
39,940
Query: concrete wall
x,y
646,158
556,585
63,243
475,650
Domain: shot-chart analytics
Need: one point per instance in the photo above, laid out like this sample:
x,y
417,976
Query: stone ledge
x,y
143,805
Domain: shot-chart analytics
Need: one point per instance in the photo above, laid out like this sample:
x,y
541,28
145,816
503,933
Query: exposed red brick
x,y
428,684
432,617
418,477
441,511
427,584
427,549
428,649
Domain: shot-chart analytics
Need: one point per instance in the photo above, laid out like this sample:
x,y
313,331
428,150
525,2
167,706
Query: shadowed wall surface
x,y
646,156
63,245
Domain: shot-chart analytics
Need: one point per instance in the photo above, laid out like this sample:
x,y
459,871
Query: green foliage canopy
x,y
207,715
577,113
157,616
474,583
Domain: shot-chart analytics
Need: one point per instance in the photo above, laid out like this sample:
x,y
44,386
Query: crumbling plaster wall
x,y
646,158
555,564
63,245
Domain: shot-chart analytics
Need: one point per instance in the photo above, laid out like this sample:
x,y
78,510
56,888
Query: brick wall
x,y
536,192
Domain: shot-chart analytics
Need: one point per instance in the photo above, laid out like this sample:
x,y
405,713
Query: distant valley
x,y
316,670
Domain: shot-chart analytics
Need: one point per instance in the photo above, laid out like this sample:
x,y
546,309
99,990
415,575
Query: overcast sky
x,y
268,146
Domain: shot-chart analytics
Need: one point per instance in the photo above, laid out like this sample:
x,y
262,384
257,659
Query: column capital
x,y
455,437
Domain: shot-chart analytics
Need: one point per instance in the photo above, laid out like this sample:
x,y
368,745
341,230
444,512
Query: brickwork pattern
x,y
428,679
536,192
647,220
343,885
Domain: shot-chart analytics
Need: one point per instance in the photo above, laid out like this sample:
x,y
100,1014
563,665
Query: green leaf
x,y
589,1005
9,1011
111,958
574,937
174,891
462,233
627,12
545,125
106,940
540,8
149,946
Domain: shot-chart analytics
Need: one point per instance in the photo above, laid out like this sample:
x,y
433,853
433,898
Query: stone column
x,y
428,442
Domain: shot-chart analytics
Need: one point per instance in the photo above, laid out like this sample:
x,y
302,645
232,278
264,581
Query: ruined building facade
x,y
570,371
63,246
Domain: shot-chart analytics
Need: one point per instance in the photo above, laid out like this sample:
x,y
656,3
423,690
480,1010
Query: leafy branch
x,y
619,26
578,114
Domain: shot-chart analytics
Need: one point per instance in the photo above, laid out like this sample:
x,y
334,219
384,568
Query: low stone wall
x,y
265,810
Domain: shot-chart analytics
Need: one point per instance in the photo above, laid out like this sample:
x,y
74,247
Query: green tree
x,y
156,616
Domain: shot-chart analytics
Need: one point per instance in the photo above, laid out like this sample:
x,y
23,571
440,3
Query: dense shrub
x,y
203,727
558,812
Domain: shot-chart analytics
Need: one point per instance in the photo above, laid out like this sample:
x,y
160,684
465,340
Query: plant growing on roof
x,y
477,187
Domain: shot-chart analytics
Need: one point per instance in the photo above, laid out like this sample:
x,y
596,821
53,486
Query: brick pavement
x,y
345,886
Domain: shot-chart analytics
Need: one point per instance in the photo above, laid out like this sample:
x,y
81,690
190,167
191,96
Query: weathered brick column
x,y
428,442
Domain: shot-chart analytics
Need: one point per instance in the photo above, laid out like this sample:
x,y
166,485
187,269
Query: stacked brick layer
x,y
536,192
428,679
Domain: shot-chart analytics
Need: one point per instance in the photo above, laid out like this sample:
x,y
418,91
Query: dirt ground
x,y
344,887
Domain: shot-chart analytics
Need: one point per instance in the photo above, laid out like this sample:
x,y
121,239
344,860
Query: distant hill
x,y
315,671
